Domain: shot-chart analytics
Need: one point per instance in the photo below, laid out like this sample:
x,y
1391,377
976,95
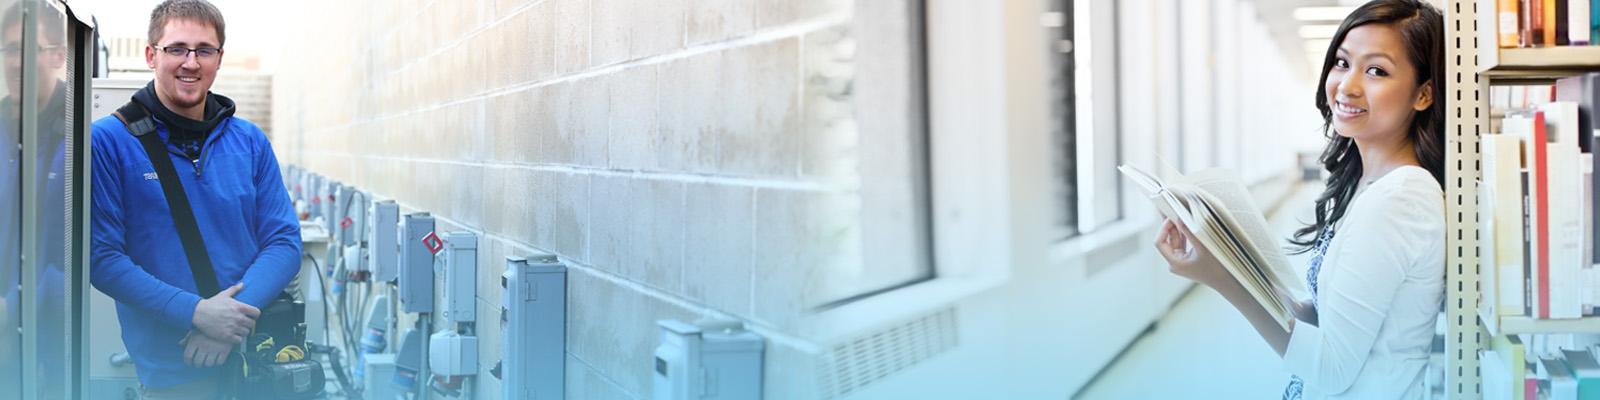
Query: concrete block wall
x,y
671,151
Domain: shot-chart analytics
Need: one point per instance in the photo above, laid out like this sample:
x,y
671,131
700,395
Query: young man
x,y
230,175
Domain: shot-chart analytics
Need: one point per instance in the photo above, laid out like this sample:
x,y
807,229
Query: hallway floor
x,y
1203,348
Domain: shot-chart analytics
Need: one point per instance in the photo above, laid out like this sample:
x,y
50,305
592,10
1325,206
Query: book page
x,y
1230,249
1219,211
1238,210
1169,204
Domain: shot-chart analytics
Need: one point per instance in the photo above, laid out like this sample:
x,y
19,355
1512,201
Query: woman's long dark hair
x,y
1422,28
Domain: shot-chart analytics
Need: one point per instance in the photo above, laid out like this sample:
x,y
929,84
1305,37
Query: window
x,y
889,94
1085,113
45,208
966,147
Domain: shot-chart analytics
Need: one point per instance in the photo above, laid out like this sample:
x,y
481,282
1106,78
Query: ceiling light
x,y
1318,31
1322,13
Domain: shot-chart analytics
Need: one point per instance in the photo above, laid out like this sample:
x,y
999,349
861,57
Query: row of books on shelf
x,y
1543,23
1536,201
1530,367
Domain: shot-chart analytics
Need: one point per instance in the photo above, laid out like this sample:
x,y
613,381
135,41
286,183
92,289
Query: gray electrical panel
x,y
314,195
416,263
330,208
382,246
707,361
379,380
460,272
352,222
335,250
533,328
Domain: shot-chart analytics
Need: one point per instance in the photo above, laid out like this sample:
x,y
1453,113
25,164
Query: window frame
x,y
988,163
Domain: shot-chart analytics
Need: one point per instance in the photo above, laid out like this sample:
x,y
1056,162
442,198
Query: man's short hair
x,y
198,10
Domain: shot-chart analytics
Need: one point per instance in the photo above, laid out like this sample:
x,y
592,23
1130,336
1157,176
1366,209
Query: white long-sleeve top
x,y
1381,287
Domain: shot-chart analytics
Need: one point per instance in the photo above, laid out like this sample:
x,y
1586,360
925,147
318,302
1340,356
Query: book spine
x,y
1508,25
1505,182
1594,22
1565,229
1563,21
1547,22
1530,384
1541,216
1578,22
1531,30
1586,233
1527,248
1488,258
1512,356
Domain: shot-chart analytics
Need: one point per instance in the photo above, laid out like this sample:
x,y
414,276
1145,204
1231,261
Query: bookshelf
x,y
1512,325
1470,71
1545,63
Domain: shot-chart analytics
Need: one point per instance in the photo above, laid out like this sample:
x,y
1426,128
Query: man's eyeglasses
x,y
203,53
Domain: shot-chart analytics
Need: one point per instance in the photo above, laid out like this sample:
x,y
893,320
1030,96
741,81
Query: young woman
x,y
1376,277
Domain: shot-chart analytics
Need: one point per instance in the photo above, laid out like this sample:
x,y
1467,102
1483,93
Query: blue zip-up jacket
x,y
245,218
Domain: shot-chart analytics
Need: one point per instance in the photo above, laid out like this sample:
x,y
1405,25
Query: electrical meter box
x,y
382,247
452,354
460,272
707,361
379,378
330,208
533,328
352,225
314,195
416,263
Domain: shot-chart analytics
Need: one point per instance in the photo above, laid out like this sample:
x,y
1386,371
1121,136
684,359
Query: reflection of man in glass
x,y
50,103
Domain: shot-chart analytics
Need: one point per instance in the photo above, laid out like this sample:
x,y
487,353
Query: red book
x,y
1530,386
1541,189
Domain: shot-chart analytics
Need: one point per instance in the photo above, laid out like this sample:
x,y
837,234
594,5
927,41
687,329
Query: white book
x,y
1218,210
1586,165
1487,261
1503,255
1564,202
1592,278
1521,126
1566,234
1497,383
1578,22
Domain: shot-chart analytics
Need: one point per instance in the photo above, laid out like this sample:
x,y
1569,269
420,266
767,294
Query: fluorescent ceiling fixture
x,y
1318,31
1317,47
1322,13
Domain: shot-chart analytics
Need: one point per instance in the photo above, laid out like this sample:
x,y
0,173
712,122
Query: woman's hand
x,y
1187,258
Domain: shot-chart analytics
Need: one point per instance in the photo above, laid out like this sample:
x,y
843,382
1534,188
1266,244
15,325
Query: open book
x,y
1217,208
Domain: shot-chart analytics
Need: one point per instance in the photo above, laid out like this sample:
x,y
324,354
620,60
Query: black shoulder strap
x,y
138,121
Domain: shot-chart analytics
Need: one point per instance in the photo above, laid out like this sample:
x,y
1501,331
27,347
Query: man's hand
x,y
204,351
225,319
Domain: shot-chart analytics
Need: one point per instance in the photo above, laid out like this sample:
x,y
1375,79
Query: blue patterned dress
x,y
1296,386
